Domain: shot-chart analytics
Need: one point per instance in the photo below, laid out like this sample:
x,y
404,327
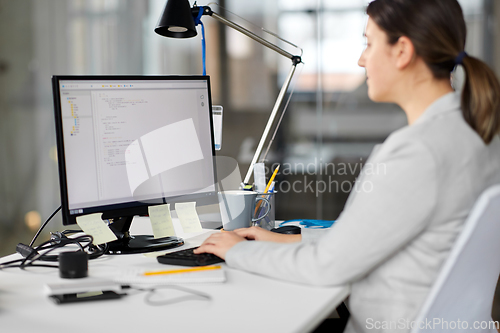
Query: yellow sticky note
x,y
186,211
161,221
93,225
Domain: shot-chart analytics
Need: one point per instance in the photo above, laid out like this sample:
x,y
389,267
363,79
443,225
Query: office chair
x,y
465,286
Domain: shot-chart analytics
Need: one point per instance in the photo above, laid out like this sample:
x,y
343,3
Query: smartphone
x,y
85,296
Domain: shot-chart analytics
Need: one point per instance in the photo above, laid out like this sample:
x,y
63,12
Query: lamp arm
x,y
270,122
253,36
295,61
208,11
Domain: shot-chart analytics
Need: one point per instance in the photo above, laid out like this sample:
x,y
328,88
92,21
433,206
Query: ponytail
x,y
481,98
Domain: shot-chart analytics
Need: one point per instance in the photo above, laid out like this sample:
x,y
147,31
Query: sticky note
x,y
186,211
161,221
93,225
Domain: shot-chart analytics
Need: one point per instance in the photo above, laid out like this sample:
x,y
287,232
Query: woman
x,y
391,242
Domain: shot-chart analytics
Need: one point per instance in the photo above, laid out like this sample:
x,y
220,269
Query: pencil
x,y
185,270
272,178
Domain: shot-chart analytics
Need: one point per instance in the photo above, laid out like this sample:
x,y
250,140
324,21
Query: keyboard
x,y
188,258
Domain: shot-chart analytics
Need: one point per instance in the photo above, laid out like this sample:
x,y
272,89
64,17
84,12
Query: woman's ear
x,y
404,52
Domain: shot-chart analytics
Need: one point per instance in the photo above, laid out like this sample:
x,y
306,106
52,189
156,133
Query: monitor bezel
x,y
133,208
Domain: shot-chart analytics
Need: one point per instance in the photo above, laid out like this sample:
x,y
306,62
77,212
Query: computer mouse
x,y
287,229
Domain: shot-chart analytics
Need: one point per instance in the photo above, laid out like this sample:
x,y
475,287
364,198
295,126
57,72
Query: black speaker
x,y
73,265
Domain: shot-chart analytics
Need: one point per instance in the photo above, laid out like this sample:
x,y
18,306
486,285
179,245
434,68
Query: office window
x,y
331,34
104,36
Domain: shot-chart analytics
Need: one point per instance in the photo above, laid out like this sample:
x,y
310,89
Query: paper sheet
x,y
259,175
93,225
161,221
186,211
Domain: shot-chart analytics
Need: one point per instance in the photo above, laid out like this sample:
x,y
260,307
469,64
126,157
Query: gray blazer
x,y
398,227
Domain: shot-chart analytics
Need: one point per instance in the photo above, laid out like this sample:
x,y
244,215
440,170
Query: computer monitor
x,y
128,142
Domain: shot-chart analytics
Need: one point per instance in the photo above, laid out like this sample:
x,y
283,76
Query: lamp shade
x,y
176,20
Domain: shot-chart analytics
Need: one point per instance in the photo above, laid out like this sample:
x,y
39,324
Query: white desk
x,y
245,303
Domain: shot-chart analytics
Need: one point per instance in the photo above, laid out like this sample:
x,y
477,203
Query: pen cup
x,y
268,221
238,209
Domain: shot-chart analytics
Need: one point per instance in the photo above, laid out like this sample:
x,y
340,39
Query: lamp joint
x,y
196,10
296,60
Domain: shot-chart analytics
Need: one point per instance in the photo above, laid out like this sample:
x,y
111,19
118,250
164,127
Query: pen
x,y
185,270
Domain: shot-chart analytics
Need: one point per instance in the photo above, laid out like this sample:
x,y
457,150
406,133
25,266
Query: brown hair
x,y
437,30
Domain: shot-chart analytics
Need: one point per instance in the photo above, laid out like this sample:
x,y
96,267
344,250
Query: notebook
x,y
137,277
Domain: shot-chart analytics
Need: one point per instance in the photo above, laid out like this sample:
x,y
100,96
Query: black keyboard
x,y
188,258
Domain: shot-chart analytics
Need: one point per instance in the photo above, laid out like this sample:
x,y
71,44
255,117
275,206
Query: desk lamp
x,y
179,20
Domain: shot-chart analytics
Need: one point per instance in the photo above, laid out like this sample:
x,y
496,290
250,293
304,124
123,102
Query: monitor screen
x,y
128,142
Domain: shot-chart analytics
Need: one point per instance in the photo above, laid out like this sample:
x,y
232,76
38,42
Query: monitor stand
x,y
128,244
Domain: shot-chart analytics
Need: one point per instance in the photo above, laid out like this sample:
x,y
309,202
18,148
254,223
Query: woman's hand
x,y
260,234
219,243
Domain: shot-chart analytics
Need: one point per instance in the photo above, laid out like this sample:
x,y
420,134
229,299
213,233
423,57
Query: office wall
x,y
38,39
17,119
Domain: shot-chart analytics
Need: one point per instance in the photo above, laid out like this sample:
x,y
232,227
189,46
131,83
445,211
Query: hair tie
x,y
459,60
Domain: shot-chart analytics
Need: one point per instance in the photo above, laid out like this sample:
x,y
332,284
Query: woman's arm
x,y
379,221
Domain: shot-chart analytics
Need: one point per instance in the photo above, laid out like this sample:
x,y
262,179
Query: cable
x,y
29,265
50,246
43,226
203,43
58,240
8,263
